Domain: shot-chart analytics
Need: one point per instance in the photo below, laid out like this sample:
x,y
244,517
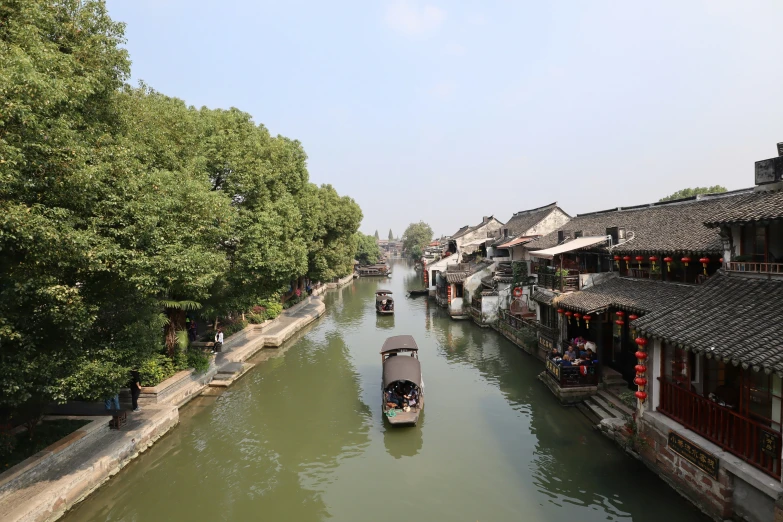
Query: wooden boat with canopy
x,y
377,270
384,304
403,385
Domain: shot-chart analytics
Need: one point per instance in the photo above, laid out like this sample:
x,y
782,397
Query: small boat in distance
x,y
416,293
384,304
403,385
377,270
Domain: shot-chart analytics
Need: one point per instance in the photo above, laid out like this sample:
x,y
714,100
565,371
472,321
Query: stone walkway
x,y
61,483
56,484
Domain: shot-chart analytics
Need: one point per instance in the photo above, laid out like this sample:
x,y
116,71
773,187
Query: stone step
x,y
612,398
598,410
592,416
608,406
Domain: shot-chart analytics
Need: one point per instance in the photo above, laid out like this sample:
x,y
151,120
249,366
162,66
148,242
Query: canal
x,y
301,436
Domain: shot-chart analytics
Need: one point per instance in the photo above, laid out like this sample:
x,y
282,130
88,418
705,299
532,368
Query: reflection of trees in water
x,y
403,441
294,424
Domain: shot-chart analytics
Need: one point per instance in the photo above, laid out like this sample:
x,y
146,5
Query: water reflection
x,y
384,322
404,441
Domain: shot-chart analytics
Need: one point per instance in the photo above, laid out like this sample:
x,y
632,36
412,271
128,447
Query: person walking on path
x,y
135,388
112,403
219,340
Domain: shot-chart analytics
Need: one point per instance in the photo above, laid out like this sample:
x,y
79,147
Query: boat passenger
x,y
566,360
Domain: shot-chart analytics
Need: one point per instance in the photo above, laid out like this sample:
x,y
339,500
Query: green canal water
x,y
301,437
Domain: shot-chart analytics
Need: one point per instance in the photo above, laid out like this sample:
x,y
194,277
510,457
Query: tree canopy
x,y
367,250
416,237
391,236
122,208
690,192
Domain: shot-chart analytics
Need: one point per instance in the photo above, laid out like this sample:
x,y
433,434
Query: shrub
x,y
155,370
198,360
271,307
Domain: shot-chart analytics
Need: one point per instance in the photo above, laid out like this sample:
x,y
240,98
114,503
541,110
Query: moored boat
x,y
403,385
384,304
418,292
377,270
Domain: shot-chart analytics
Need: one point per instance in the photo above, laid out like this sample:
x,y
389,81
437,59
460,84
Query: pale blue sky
x,y
447,111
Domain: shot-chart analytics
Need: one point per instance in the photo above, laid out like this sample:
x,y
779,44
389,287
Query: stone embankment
x,y
46,485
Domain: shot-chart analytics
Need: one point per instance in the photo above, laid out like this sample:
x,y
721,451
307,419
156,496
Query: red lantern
x,y
620,314
642,396
686,260
560,311
619,322
653,259
668,261
627,260
641,355
569,314
633,317
617,261
587,320
704,261
639,260
641,341
640,369
640,381
721,260
577,315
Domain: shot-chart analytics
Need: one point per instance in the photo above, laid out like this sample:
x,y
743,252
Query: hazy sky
x,y
445,111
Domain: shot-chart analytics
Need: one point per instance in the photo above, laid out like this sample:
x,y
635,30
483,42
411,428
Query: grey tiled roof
x,y
488,281
489,293
759,206
464,230
633,295
456,277
729,317
659,228
541,297
522,221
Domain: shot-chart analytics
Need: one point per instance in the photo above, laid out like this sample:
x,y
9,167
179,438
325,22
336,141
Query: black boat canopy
x,y
402,368
399,342
382,291
379,298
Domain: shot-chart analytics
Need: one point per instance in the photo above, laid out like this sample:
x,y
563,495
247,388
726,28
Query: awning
x,y
517,241
576,244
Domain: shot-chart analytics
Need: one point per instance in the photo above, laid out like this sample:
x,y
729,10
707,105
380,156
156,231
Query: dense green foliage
x,y
367,250
14,448
690,192
391,236
122,208
416,237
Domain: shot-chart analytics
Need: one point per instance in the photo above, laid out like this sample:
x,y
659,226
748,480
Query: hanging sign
x,y
707,462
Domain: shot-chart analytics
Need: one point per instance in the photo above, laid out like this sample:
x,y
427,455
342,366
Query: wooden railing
x,y
572,376
551,281
475,303
755,268
518,323
753,442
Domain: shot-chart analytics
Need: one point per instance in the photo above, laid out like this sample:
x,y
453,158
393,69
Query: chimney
x,y
780,148
485,219
505,232
770,171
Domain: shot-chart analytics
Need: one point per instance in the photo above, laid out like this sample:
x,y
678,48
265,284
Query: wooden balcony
x,y
753,267
750,440
566,283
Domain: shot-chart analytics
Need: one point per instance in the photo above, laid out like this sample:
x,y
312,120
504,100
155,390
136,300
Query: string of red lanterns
x,y
641,369
704,261
639,260
632,318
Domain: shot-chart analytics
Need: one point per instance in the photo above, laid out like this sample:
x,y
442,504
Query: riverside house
x,y
712,367
505,250
466,244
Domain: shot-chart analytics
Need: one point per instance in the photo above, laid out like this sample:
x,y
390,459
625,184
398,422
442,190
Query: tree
x,y
415,238
391,236
690,192
367,250
377,237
